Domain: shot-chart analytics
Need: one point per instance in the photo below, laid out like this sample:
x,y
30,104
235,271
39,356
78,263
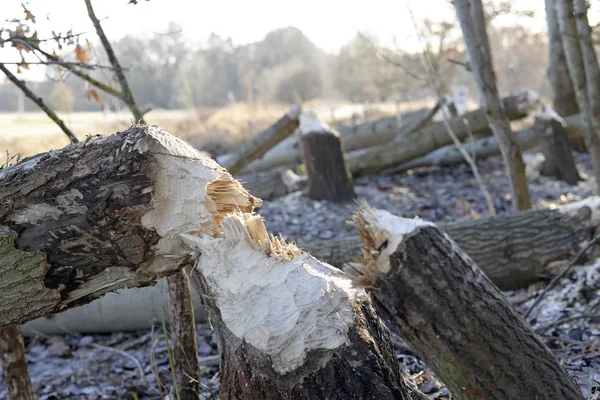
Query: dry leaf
x,y
80,54
88,46
92,94
28,15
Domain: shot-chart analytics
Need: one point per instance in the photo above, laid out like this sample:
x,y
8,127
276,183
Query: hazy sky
x,y
328,23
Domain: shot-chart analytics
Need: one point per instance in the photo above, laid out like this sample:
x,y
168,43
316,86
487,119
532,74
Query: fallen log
x,y
102,215
434,136
288,153
451,315
258,146
482,148
271,184
512,250
289,326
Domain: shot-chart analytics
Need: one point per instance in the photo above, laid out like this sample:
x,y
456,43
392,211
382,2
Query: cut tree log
x,y
328,175
14,364
512,250
98,216
451,315
258,146
289,326
271,184
484,147
183,337
550,129
288,153
434,136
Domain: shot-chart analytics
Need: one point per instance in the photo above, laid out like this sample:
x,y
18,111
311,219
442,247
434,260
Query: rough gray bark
x,y
449,312
328,175
319,338
183,336
258,146
14,365
485,147
98,216
564,100
472,23
552,134
575,62
434,136
512,250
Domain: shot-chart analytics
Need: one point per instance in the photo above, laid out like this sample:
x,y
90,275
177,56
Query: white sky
x,y
328,23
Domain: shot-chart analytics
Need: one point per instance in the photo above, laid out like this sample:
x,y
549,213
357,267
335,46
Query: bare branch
x,y
127,95
40,103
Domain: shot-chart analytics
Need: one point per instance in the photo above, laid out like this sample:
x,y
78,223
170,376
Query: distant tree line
x,y
170,71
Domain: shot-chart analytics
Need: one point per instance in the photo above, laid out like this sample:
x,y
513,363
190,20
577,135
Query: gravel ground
x,y
135,365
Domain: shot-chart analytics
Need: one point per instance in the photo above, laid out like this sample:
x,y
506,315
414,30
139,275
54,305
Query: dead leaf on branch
x,y
80,54
92,94
28,15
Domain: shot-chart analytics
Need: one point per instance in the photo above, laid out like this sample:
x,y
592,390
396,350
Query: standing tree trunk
x,y
14,365
289,326
328,175
472,23
564,100
575,62
549,127
591,66
450,313
183,333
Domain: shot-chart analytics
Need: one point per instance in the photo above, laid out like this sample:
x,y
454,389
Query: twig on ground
x,y
558,277
137,362
567,319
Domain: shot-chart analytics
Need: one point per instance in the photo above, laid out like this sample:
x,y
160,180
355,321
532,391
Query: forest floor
x,y
135,365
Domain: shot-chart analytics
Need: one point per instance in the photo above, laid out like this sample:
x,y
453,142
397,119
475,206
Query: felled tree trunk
x,y
98,216
512,250
552,134
272,184
288,153
14,365
472,23
183,336
328,175
434,136
289,326
486,147
449,312
258,146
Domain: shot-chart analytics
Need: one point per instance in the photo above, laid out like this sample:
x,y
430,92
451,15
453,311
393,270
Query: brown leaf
x,y
28,15
92,94
88,46
80,54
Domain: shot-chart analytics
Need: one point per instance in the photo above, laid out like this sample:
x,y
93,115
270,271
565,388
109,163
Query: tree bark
x,y
183,336
552,134
289,326
259,145
472,23
512,250
14,365
575,62
564,100
272,184
105,214
328,175
434,136
449,312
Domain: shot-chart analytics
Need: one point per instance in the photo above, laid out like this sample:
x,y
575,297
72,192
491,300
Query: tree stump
x,y
14,365
451,314
328,174
289,326
552,134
